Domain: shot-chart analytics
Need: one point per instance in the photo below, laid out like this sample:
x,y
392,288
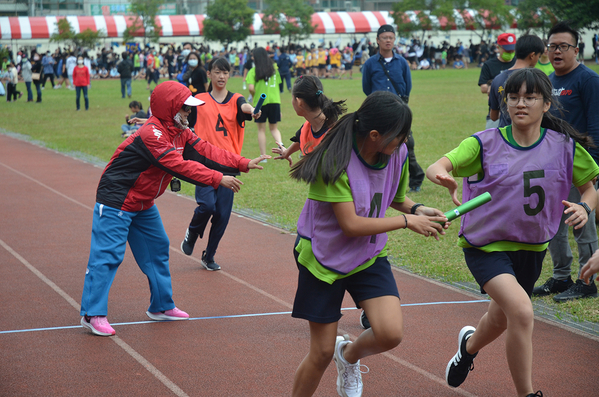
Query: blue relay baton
x,y
259,104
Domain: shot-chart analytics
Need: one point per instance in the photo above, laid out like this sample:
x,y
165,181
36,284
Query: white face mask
x,y
185,52
193,63
80,61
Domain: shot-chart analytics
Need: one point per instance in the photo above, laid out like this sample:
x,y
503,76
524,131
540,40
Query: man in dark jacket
x,y
138,172
284,64
125,68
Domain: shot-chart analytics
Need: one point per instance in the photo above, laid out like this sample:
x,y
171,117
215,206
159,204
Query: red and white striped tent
x,y
193,25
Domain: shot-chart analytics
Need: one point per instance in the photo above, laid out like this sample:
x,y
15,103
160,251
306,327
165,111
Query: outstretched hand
x,y
135,120
230,182
253,164
282,154
451,185
578,217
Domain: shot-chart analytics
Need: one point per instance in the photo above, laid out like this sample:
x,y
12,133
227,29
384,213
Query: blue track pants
x,y
111,230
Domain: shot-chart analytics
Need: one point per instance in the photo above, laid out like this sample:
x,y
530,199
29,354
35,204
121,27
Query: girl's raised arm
x,y
439,173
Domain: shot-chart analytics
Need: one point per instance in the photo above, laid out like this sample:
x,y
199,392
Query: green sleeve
x,y
465,159
400,196
338,192
585,168
250,78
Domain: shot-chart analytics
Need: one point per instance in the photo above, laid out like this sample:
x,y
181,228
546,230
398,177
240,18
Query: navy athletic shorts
x,y
321,302
524,265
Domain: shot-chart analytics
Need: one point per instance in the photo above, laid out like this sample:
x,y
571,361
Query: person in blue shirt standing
x,y
284,64
577,90
389,71
48,64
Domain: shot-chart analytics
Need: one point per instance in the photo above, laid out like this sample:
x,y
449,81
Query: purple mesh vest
x,y
527,186
373,191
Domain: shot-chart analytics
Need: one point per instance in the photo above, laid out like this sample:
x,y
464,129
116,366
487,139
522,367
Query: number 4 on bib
x,y
220,125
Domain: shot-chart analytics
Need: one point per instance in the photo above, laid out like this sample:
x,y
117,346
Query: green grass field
x,y
447,107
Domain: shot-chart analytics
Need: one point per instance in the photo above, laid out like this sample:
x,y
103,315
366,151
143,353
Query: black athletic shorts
x,y
272,112
320,302
524,265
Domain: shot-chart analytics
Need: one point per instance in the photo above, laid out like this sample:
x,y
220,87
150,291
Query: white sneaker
x,y
349,376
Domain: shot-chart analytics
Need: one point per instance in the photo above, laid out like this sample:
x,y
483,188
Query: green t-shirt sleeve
x,y
465,159
338,192
400,196
250,78
585,168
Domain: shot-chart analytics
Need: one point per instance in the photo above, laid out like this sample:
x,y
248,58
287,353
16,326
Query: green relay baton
x,y
467,206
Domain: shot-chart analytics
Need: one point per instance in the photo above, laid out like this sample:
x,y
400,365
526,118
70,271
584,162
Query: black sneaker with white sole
x,y
364,320
578,290
463,362
209,265
189,242
552,286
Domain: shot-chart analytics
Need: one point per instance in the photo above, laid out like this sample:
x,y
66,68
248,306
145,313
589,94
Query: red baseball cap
x,y
507,41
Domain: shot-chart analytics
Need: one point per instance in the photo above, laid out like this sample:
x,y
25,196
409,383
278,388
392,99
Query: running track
x,y
241,340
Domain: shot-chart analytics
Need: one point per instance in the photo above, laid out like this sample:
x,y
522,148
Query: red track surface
x,y
46,203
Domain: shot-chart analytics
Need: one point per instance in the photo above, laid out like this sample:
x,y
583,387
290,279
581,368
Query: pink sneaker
x,y
173,314
99,325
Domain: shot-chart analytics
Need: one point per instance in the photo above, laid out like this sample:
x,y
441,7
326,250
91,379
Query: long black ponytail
x,y
309,89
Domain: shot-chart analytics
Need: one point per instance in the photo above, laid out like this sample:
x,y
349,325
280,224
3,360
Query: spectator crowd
x,y
168,61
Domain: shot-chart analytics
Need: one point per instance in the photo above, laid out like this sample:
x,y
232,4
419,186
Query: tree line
x,y
229,21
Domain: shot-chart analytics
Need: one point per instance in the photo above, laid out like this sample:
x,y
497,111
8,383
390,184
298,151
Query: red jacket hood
x,y
166,101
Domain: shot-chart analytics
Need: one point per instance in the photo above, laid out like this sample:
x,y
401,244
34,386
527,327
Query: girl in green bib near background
x,y
264,78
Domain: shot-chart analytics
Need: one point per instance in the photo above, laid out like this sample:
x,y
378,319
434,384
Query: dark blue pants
x,y
215,203
415,170
126,85
29,92
38,90
285,78
78,91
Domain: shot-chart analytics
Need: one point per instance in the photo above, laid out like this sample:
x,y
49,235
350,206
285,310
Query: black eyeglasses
x,y
186,108
564,47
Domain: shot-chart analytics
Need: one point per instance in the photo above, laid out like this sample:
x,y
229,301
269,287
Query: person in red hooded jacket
x,y
139,171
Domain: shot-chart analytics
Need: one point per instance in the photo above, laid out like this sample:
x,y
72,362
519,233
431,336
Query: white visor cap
x,y
193,101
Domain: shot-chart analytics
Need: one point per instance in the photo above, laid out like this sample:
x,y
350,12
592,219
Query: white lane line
x,y
149,367
135,355
288,305
47,187
226,317
238,280
41,276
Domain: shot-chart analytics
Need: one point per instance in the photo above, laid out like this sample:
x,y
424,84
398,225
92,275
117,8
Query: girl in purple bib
x,y
528,167
355,174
